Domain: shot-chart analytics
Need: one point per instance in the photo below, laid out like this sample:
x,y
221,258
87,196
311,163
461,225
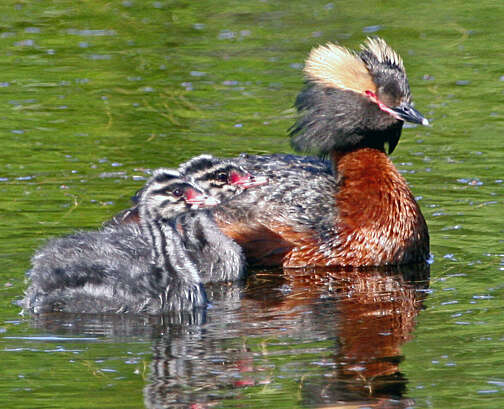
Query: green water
x,y
92,93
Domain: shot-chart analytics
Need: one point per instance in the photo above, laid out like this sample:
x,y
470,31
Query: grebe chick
x,y
215,254
131,268
220,178
217,257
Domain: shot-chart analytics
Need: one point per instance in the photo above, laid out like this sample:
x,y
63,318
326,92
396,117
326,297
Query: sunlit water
x,y
94,93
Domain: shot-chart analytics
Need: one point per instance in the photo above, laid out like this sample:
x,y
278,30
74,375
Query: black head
x,y
220,178
167,193
353,100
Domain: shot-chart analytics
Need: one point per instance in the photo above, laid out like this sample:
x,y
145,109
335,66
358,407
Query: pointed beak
x,y
200,199
210,201
406,113
247,180
255,181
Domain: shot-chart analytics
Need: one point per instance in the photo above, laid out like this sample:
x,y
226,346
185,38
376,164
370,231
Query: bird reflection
x,y
320,337
351,325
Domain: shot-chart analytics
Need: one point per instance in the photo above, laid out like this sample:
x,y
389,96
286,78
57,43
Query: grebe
x,y
129,268
356,209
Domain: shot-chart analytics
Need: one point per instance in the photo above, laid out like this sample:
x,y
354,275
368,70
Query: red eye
x,y
222,177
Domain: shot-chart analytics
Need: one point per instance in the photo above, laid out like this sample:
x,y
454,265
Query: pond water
x,y
94,93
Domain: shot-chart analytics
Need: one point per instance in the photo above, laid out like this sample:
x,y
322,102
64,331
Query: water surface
x,y
94,93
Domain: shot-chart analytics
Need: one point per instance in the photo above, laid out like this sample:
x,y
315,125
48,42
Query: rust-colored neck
x,y
378,219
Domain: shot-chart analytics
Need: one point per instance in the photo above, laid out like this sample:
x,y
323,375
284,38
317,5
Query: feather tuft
x,y
382,51
336,67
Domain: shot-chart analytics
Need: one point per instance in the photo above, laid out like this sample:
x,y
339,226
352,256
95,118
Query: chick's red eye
x,y
178,192
222,177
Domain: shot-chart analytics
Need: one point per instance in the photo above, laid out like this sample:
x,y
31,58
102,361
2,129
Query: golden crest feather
x,y
337,67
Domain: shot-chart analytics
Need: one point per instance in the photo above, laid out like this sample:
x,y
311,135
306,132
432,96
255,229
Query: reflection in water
x,y
376,315
330,337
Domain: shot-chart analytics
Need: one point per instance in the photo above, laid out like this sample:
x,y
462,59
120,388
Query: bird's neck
x,y
375,208
157,238
169,254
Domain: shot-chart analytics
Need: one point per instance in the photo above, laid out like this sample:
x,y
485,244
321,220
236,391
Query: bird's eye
x,y
178,192
222,177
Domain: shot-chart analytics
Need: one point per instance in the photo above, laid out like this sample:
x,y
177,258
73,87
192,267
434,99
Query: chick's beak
x,y
200,199
247,180
405,112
